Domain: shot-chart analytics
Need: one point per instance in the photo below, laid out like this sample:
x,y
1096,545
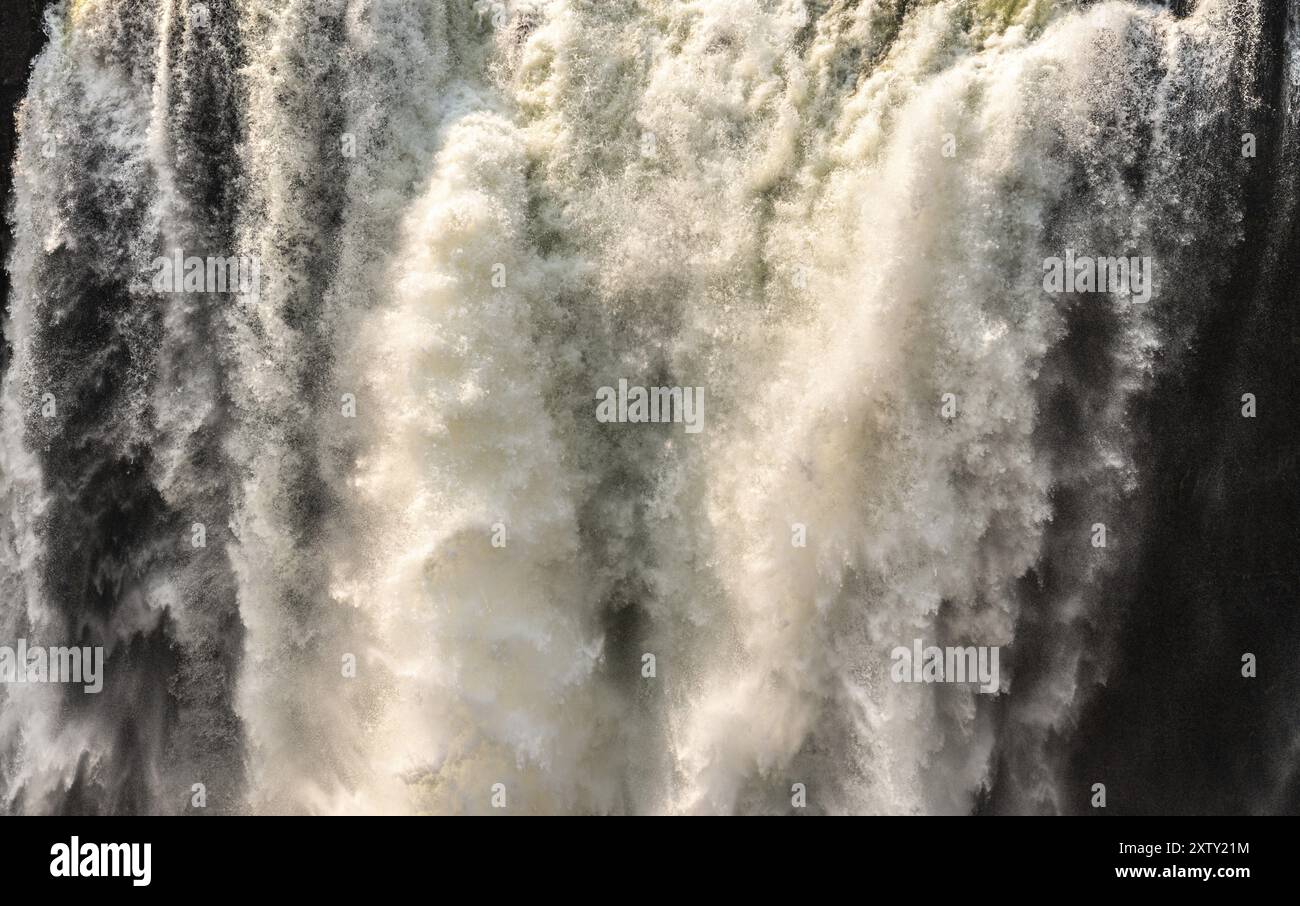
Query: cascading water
x,y
350,533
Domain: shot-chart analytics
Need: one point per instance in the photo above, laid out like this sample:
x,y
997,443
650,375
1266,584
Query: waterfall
x,y
311,302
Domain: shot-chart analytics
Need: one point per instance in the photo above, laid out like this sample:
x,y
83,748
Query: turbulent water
x,y
425,569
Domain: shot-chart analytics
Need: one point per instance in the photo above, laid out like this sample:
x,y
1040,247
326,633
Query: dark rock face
x,y
1178,729
23,40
